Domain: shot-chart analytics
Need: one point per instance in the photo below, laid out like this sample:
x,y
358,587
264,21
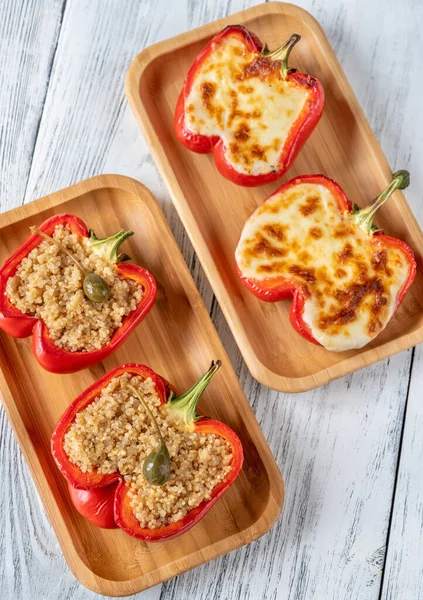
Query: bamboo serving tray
x,y
178,340
213,210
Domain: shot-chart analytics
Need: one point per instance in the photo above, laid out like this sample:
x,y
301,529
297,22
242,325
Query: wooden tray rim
x,y
257,369
79,569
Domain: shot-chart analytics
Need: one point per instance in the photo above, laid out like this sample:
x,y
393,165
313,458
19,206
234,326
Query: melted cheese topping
x,y
239,96
350,283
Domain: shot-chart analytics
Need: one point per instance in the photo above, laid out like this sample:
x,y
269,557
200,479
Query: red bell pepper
x,y
96,505
281,278
184,408
255,64
20,325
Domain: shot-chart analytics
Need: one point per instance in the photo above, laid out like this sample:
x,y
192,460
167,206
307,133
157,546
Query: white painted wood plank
x,y
29,31
28,36
402,126
380,48
403,574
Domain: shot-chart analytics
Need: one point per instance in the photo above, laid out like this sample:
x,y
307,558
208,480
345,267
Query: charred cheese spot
x,y
310,206
275,231
237,51
261,246
274,267
346,253
350,282
343,231
261,67
315,232
380,262
235,87
258,152
351,298
374,327
208,90
242,134
305,257
305,274
218,113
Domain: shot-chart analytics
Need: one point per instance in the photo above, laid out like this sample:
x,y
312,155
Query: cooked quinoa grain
x,y
48,285
114,433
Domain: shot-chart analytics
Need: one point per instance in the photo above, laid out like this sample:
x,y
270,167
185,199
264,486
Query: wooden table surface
x,y
350,452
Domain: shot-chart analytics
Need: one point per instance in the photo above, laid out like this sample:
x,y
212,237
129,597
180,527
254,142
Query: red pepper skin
x,y
96,505
276,289
298,135
51,357
123,514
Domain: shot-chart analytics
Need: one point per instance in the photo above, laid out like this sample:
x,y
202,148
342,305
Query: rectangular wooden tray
x,y
177,340
213,210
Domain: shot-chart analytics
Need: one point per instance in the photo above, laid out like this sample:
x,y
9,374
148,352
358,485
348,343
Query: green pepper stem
x,y
185,405
61,246
108,248
150,414
365,216
282,53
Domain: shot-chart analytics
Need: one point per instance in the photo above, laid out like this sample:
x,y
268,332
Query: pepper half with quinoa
x,y
105,435
42,293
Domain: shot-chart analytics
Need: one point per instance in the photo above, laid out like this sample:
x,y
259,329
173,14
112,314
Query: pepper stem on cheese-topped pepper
x,y
346,277
365,216
245,105
282,54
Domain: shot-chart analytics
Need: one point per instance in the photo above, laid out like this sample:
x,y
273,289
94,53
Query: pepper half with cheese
x,y
346,278
245,105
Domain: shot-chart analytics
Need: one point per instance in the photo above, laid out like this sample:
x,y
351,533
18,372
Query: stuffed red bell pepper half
x,y
70,291
346,277
130,441
244,104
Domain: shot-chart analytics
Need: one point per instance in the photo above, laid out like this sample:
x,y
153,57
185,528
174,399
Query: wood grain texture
x,y
403,576
112,562
28,37
337,446
214,211
29,31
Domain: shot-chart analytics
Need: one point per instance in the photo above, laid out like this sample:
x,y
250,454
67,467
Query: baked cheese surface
x,y
350,284
240,96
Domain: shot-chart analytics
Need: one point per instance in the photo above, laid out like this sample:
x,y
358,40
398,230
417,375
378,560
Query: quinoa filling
x,y
114,433
48,286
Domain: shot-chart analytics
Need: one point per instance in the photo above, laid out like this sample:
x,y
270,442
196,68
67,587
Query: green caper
x,y
156,467
95,288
